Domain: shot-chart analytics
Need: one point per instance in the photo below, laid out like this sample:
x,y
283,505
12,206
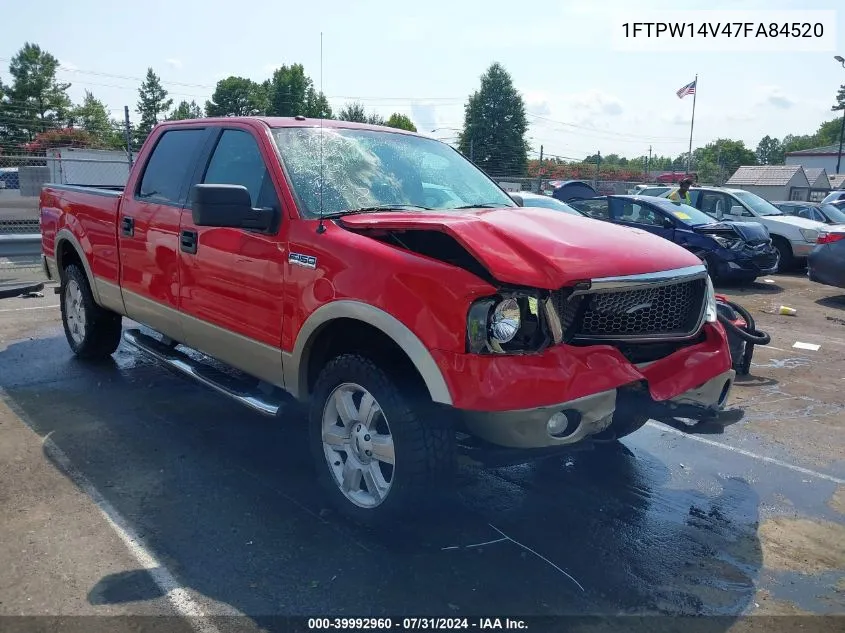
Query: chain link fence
x,y
21,180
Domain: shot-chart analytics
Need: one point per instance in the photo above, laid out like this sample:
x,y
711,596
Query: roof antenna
x,y
321,228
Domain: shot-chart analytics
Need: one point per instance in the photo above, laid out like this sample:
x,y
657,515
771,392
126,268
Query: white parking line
x,y
29,308
181,601
734,449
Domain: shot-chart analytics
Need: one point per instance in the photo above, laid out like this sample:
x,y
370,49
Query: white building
x,y
772,182
824,157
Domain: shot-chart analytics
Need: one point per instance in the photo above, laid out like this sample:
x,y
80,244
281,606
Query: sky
x,y
584,91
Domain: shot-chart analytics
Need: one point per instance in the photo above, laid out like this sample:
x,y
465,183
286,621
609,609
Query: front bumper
x,y
749,263
508,400
592,415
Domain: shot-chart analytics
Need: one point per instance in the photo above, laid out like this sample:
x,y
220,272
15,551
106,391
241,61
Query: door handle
x,y
127,226
188,241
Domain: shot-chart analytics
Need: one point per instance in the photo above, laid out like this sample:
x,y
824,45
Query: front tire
x,y
92,332
787,260
377,453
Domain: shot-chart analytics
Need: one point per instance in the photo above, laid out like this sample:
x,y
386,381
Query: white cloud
x,y
174,63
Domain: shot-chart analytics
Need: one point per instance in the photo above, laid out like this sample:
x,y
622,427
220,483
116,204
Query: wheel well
x,y
65,256
351,336
780,239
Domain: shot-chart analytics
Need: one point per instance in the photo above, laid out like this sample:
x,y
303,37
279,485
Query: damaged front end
x,y
746,248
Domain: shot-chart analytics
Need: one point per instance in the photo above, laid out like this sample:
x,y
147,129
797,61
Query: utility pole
x,y
128,130
598,162
648,166
540,173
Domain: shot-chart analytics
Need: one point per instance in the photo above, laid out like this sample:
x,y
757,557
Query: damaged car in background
x,y
731,251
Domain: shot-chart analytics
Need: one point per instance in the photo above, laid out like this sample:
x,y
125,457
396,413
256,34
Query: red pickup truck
x,y
381,280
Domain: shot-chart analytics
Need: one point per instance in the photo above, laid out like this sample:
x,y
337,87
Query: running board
x,y
248,395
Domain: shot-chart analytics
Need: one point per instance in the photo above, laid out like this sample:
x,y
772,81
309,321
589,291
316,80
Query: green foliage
x,y
185,111
287,91
769,151
401,121
495,125
35,101
726,153
840,100
316,105
92,117
152,102
237,96
354,111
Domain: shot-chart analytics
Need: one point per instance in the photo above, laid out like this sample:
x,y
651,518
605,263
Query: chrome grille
x,y
659,311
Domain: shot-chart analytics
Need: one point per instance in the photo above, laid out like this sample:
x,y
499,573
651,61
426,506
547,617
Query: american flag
x,y
689,89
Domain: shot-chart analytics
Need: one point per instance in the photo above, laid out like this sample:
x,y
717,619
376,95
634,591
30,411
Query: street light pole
x,y
841,60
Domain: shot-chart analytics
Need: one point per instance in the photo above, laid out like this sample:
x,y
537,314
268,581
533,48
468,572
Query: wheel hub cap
x,y
75,312
358,445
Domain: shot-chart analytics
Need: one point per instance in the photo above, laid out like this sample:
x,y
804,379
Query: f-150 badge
x,y
306,261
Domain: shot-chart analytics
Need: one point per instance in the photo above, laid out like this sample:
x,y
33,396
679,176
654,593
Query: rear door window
x,y
171,163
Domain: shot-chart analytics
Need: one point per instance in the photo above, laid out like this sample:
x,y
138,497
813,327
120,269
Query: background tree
x,y
317,105
725,154
287,91
401,121
152,102
92,117
35,101
769,151
495,125
186,110
354,111
237,96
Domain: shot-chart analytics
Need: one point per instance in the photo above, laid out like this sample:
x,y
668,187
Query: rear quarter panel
x,y
89,216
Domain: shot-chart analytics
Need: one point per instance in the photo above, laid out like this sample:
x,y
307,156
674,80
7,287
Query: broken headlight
x,y
512,323
725,242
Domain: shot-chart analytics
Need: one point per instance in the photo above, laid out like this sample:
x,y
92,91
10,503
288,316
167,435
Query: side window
x,y
627,211
731,202
714,204
237,160
597,209
817,215
169,165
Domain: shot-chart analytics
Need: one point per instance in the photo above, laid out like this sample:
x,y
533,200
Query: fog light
x,y
563,423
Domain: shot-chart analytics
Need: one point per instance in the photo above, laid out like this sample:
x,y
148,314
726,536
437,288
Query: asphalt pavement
x,y
129,490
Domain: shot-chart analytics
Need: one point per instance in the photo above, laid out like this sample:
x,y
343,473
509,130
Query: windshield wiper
x,y
482,205
375,208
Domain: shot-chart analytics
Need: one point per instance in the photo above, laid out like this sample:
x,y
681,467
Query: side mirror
x,y
228,206
668,223
736,210
518,199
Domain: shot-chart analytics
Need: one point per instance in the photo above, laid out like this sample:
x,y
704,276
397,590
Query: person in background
x,y
682,193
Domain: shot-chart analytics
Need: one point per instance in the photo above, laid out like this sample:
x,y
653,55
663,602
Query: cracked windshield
x,y
365,169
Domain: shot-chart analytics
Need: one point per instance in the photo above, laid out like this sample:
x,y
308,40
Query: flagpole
x,y
692,123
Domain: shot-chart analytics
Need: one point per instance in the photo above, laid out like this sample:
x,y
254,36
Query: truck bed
x,y
92,212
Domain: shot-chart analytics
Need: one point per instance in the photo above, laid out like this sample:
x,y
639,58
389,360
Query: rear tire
x,y
359,421
787,260
92,332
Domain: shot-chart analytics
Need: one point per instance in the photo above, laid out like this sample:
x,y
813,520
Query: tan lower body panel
x,y
253,357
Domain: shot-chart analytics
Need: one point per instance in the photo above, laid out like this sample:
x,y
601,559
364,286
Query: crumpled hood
x,y
751,232
536,247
